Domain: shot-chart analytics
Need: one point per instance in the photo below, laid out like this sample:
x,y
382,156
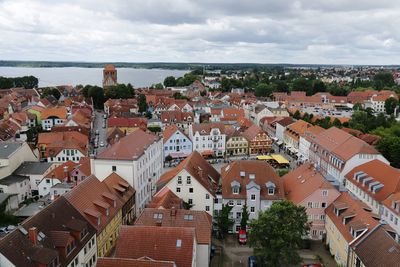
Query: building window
x,y
179,180
324,193
114,168
207,208
323,205
236,190
252,209
188,180
216,200
231,203
253,197
190,201
178,189
271,191
309,205
207,196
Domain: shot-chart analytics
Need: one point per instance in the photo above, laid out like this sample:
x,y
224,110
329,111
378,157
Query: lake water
x,y
93,76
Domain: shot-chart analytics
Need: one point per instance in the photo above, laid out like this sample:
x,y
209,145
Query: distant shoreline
x,y
172,65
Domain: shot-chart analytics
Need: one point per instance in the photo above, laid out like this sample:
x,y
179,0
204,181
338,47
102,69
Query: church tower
x,y
109,75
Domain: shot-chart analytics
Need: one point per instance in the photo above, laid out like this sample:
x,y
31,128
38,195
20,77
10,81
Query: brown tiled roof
x,y
232,113
252,132
48,138
302,182
54,221
263,173
176,116
297,128
114,180
60,112
142,262
380,172
285,121
201,221
205,128
84,166
165,199
84,196
199,168
362,219
127,122
158,243
59,173
389,202
378,249
353,146
129,147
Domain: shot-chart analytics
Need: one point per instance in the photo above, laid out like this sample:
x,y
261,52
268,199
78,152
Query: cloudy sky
x,y
261,31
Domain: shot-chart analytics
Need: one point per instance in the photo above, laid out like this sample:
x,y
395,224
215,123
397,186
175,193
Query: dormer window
x,y
271,191
83,233
70,247
236,190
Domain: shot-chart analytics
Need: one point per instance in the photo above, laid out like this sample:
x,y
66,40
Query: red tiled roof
x,y
201,221
170,130
380,172
127,122
199,168
60,112
85,195
141,262
263,173
302,182
165,199
158,243
129,147
362,219
205,128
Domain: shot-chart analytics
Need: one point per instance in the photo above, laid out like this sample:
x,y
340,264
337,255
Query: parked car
x,y
101,144
242,237
97,132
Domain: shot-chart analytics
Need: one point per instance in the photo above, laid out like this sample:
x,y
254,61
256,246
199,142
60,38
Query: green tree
x,y
337,123
170,81
245,217
390,149
277,234
97,94
358,106
142,104
297,115
264,90
302,84
383,79
224,223
119,91
51,91
158,86
390,105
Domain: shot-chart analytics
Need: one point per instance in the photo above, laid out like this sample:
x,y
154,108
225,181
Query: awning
x,y
178,155
207,153
264,157
280,159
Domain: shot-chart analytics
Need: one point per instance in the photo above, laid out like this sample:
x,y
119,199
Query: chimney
x,y
66,174
33,235
173,211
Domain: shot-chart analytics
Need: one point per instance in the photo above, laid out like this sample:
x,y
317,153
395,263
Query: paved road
x,y
98,125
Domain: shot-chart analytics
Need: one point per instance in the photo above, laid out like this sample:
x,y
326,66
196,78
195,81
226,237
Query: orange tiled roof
x,y
379,172
199,168
362,219
60,112
263,173
158,243
165,199
302,182
129,147
201,221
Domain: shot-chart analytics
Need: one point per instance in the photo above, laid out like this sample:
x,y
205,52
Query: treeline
x,y
263,84
100,95
28,82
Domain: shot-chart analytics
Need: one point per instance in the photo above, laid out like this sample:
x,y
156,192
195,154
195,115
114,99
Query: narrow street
x,y
98,126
